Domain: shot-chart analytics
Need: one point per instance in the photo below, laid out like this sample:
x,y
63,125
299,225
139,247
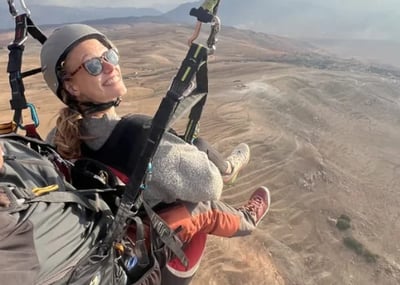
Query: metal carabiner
x,y
27,11
11,7
34,116
212,38
14,11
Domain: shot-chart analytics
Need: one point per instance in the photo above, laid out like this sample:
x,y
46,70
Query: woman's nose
x,y
107,67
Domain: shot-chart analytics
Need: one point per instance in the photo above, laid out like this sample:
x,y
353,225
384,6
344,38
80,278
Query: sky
x,y
353,4
162,5
165,5
135,3
366,19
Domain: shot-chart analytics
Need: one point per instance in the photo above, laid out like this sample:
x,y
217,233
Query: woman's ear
x,y
71,88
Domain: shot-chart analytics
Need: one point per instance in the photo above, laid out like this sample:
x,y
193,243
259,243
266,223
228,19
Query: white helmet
x,y
56,48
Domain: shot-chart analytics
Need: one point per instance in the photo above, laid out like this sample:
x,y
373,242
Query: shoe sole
x,y
268,201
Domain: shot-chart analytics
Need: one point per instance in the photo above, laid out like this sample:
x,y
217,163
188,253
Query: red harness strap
x,y
119,174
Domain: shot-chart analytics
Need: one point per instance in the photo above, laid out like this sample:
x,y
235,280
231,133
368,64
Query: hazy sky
x,y
355,4
165,5
158,4
135,3
367,19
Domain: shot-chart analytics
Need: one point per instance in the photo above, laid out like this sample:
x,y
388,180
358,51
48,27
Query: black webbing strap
x,y
18,100
35,32
202,79
23,26
181,89
140,243
196,111
166,234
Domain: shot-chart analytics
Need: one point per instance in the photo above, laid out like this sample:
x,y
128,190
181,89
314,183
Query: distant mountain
x,y
181,13
43,15
305,18
291,18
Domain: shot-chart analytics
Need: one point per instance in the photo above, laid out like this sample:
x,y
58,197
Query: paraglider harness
x,y
23,26
188,91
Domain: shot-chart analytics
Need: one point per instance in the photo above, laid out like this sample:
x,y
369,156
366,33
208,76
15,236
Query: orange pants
x,y
211,217
196,221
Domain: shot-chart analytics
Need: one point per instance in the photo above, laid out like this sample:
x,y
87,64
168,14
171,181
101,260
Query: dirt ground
x,y
324,136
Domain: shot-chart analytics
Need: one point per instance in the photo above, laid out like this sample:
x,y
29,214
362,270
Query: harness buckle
x,y
12,198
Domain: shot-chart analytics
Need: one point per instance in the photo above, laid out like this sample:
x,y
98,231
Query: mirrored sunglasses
x,y
94,66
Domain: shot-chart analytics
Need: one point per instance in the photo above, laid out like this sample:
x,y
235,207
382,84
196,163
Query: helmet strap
x,y
88,108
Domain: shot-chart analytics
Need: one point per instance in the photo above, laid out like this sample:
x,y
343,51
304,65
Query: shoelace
x,y
254,203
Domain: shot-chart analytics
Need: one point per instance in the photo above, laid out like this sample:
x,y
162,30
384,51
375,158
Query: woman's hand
x,y
195,33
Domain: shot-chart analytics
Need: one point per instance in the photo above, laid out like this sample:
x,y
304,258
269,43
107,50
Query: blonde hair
x,y
67,137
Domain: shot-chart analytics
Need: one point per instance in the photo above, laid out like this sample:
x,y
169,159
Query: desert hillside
x,y
324,135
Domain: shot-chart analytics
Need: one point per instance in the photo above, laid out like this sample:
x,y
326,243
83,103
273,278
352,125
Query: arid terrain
x,y
324,135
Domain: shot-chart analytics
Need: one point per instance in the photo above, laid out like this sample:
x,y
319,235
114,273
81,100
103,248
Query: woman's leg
x,y
213,155
216,217
196,220
230,166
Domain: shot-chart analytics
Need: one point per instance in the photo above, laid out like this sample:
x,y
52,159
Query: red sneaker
x,y
259,204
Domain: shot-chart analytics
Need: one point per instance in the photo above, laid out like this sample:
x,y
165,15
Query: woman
x,y
81,66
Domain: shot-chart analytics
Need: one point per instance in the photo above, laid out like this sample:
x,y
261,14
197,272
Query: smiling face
x,y
102,88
